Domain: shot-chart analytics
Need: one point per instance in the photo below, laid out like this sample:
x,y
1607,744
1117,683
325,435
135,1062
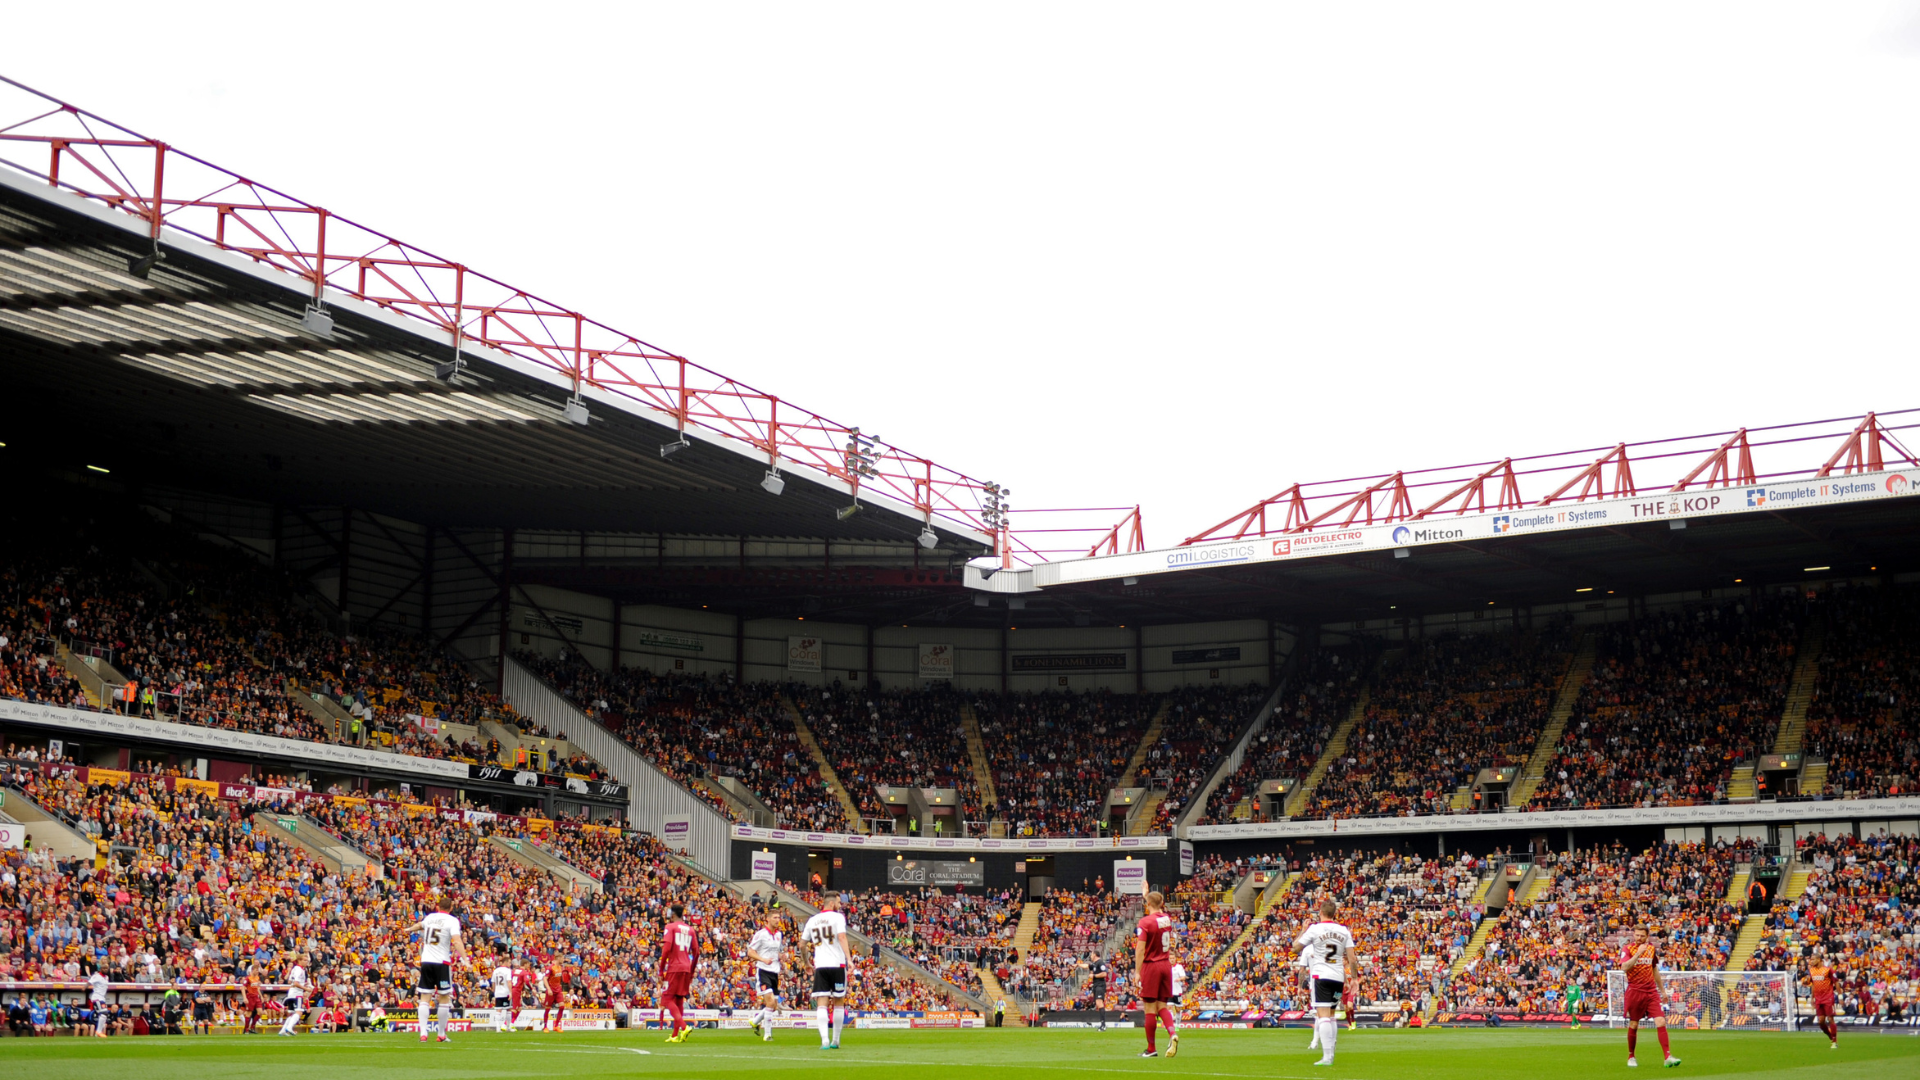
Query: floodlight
x,y
575,412
142,265
317,321
445,372
774,484
846,512
671,448
928,539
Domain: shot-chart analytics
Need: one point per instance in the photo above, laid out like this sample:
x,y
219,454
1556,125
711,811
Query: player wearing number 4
x,y
1326,948
1645,989
678,951
440,945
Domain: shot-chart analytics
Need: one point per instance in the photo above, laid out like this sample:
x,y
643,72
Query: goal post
x,y
1749,1000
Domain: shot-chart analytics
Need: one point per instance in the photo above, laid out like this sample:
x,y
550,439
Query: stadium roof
x,y
204,366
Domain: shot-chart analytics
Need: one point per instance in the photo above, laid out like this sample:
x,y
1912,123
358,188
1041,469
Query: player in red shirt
x,y
1644,993
1153,971
1820,979
679,948
522,989
252,987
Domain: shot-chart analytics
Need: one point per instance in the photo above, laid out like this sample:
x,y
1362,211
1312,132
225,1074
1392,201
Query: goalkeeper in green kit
x,y
1576,1001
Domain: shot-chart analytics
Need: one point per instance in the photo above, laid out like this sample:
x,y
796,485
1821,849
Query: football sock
x,y
446,1017
826,1025
839,1022
1166,1019
1664,1048
423,1016
293,1017
1633,1036
1151,1019
1330,1037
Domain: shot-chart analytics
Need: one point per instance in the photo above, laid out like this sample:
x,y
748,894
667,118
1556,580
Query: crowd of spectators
x,y
1411,916
1200,726
1863,721
1453,706
1056,756
1075,934
195,889
893,738
1858,911
1573,931
696,730
1675,700
210,636
1315,703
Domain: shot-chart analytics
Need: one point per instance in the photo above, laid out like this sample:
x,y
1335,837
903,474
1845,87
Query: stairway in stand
x,y
1131,778
1740,786
1746,943
800,728
1142,822
1028,926
1546,748
995,992
1806,672
1267,899
977,757
1336,745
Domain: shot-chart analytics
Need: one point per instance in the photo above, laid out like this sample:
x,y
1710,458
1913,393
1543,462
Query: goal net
x,y
1761,1000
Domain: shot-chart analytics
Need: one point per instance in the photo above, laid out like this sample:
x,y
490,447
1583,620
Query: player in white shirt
x,y
297,987
1326,948
440,945
825,937
766,946
1179,981
97,994
502,980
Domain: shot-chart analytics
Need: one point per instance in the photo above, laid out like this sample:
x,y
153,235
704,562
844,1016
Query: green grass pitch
x,y
966,1055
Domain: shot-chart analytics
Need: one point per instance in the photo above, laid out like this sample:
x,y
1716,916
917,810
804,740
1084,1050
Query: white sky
x,y
1180,255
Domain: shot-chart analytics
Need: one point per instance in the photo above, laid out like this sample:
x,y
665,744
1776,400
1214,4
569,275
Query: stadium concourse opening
x,y
338,616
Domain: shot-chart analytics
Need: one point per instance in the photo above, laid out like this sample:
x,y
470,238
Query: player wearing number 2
x,y
440,945
1326,948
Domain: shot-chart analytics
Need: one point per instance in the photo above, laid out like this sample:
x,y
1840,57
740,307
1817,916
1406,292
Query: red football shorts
x,y
1823,1006
679,984
1156,981
1643,1003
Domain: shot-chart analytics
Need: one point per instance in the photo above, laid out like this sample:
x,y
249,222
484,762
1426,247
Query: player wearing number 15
x,y
679,948
440,945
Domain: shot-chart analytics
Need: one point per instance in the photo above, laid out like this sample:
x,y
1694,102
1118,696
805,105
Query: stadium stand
x,y
1573,930
694,729
1858,911
1453,706
1297,732
894,738
1410,916
195,888
1863,725
1675,700
208,636
1201,724
1076,930
1055,757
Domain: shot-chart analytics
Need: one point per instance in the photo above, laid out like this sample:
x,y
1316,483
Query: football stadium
x,y
409,675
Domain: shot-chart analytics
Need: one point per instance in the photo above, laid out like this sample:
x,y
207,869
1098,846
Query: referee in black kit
x,y
1098,983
